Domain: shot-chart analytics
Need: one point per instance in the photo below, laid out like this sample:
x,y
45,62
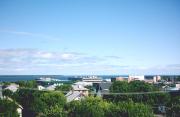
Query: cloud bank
x,y
33,61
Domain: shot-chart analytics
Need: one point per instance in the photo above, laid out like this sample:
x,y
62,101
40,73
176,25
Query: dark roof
x,y
105,85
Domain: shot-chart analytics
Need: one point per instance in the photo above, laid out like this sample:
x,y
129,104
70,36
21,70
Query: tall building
x,y
132,78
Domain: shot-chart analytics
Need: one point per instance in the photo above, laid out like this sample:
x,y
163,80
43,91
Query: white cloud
x,y
31,34
32,61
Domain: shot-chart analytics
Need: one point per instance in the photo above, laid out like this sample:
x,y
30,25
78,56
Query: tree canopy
x,y
133,86
96,107
8,108
41,103
27,84
64,87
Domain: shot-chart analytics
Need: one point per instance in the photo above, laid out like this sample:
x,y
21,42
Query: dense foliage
x,y
152,99
96,107
36,103
174,107
8,108
133,86
64,87
53,104
7,93
120,86
27,84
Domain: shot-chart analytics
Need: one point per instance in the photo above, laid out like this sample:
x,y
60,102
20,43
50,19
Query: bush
x,y
8,108
96,107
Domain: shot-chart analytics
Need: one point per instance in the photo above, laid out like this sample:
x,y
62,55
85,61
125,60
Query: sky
x,y
100,37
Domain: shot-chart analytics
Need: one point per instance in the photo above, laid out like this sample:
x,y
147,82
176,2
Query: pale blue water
x,y
13,78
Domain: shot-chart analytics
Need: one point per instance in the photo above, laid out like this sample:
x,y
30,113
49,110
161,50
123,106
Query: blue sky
x,y
90,37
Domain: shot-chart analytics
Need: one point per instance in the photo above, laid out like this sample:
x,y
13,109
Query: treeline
x,y
8,108
155,100
96,107
53,104
141,88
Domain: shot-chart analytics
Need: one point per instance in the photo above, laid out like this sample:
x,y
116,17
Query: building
x,y
19,110
92,79
81,89
40,87
78,92
47,81
152,79
48,87
74,95
120,79
84,83
103,88
12,87
178,86
156,78
133,78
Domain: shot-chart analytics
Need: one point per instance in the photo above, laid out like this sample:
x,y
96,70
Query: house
x,y
78,92
74,95
84,83
40,87
103,88
132,78
12,87
92,79
19,110
51,87
81,89
178,86
19,107
48,87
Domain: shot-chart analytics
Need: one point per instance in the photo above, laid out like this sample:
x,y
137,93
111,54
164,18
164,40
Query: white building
x,y
92,79
19,110
40,87
12,87
135,77
78,92
84,83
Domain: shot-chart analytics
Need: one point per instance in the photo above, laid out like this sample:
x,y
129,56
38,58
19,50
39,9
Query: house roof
x,y
12,87
83,83
72,95
79,88
105,86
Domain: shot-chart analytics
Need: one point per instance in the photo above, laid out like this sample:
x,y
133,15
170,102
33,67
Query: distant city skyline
x,y
76,37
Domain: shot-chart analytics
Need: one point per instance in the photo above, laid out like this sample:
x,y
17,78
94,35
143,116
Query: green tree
x,y
174,106
129,109
96,107
7,93
90,107
38,103
27,84
140,86
119,87
64,87
8,108
52,104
